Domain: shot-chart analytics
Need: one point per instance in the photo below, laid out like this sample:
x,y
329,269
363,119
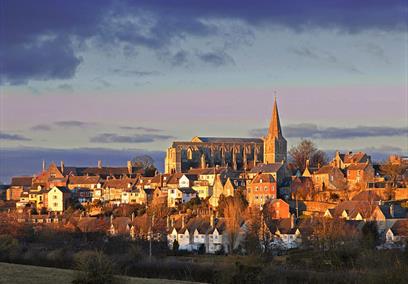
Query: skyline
x,y
122,76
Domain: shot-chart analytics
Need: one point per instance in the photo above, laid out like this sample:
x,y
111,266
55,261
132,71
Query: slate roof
x,y
228,140
366,195
357,166
266,178
119,183
266,168
400,228
22,181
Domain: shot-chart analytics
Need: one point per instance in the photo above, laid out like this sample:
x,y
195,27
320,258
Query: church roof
x,y
225,140
275,129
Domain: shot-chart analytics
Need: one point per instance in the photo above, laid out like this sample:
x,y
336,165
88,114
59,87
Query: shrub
x,y
94,267
8,245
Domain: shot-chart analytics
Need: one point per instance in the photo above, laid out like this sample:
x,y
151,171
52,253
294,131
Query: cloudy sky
x,y
136,75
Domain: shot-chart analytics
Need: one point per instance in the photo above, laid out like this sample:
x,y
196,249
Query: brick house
x,y
261,189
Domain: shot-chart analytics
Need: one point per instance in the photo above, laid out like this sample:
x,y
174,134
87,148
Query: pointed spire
x,y
275,129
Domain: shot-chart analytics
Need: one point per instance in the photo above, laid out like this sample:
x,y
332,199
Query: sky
x,y
113,79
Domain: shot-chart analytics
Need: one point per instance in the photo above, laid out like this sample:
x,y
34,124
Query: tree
x,y
233,211
143,161
306,150
391,172
370,237
176,245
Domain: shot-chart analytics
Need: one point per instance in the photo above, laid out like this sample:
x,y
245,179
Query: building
x,y
58,199
18,185
261,189
238,153
360,174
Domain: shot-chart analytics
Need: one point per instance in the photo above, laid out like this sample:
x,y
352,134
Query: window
x,y
55,204
55,197
266,188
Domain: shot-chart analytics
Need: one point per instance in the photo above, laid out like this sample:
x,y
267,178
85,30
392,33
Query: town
x,y
218,193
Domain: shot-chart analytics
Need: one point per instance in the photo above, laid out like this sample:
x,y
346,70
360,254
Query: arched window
x,y
189,154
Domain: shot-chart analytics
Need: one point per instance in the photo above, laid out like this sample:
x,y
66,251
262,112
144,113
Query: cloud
x,y
216,58
41,127
136,73
313,131
137,138
72,123
146,129
66,87
43,38
13,137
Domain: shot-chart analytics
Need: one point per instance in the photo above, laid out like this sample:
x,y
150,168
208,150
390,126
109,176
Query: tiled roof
x,y
83,179
366,195
119,183
357,166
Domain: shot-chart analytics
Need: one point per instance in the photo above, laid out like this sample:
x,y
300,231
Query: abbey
x,y
237,153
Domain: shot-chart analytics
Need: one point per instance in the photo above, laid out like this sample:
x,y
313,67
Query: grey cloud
x,y
146,129
13,137
72,123
313,131
66,87
136,73
41,127
137,138
216,58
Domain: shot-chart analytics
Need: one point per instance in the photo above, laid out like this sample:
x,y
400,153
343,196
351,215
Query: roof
x,y
400,228
365,208
121,224
174,179
187,190
275,129
393,211
207,171
283,225
83,179
119,183
266,168
21,181
225,140
366,195
63,189
325,170
357,166
264,178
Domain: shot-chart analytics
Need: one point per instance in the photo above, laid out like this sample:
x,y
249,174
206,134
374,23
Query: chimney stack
x,y
43,166
133,216
392,210
99,164
168,222
130,167
212,220
62,167
292,221
182,221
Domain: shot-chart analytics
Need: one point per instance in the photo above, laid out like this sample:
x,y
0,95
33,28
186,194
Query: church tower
x,y
275,145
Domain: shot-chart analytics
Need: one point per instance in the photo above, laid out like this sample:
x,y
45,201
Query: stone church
x,y
238,153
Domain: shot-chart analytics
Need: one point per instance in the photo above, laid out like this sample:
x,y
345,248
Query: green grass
x,y
24,274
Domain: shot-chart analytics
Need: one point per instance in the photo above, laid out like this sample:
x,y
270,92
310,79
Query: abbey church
x,y
237,153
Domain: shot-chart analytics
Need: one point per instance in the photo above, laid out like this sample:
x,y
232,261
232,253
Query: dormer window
x,y
260,180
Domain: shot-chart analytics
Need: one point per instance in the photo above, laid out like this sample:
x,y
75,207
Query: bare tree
x,y
307,150
233,213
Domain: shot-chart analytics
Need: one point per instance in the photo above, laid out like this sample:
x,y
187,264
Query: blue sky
x,y
119,75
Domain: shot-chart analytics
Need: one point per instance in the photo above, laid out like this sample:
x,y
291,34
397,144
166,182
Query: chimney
x,y
182,221
168,222
292,221
43,166
307,163
212,219
392,210
99,164
172,222
133,216
111,219
130,167
62,167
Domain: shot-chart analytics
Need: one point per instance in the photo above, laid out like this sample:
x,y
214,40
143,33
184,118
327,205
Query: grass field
x,y
24,274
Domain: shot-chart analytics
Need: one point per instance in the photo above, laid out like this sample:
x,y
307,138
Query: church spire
x,y
275,129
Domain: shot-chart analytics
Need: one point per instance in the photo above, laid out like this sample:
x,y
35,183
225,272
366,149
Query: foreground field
x,y
23,274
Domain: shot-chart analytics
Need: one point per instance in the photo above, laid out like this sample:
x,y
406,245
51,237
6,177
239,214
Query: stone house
x,y
58,199
262,188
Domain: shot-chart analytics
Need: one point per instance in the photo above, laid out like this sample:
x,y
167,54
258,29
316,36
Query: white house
x,y
177,196
58,198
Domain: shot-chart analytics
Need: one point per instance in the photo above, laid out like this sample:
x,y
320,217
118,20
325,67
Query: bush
x,y
8,245
93,267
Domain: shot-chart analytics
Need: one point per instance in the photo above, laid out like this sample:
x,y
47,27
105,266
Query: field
x,y
23,274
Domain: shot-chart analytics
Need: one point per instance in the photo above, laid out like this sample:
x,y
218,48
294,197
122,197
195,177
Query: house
x,y
342,161
277,209
262,188
17,186
58,199
328,177
302,188
38,197
113,188
53,176
119,226
356,210
285,234
398,233
82,194
222,187
277,170
90,182
177,196
360,174
203,188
